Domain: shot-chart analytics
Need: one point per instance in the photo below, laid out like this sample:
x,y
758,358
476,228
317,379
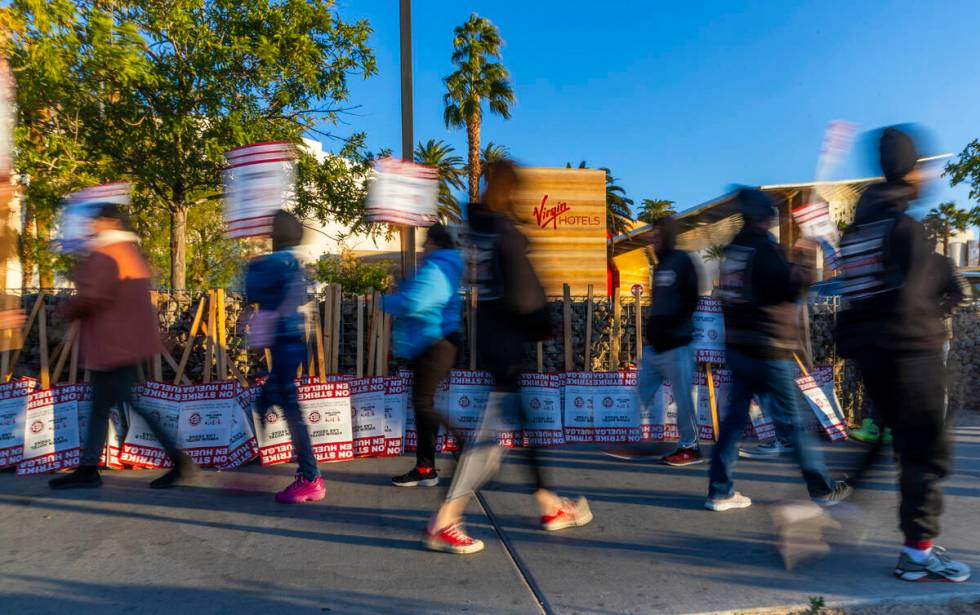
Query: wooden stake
x,y
386,345
359,351
338,319
173,365
42,340
616,332
803,369
474,296
566,309
211,337
372,335
321,355
713,401
234,369
588,329
327,330
67,345
222,335
191,336
38,303
308,332
268,358
157,365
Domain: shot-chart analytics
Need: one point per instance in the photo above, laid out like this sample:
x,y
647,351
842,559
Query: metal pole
x,y
407,233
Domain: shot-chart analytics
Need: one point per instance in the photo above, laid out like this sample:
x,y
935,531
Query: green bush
x,y
354,275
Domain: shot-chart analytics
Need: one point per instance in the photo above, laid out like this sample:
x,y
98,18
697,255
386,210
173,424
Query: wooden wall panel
x,y
564,215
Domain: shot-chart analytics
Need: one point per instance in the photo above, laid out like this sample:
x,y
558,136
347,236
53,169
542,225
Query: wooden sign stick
x,y
337,319
359,350
222,335
327,329
712,400
67,345
235,372
195,326
616,332
321,355
165,354
210,338
588,329
42,341
372,335
23,335
566,310
387,345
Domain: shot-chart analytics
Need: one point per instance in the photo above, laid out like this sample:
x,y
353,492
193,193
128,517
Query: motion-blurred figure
x,y
892,325
511,311
760,291
119,330
669,333
277,284
428,315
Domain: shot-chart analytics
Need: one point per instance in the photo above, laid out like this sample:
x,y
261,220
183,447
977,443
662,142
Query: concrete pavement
x,y
223,546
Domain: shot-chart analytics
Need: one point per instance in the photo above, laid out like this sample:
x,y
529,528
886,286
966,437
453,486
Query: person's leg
x,y
678,364
103,397
649,378
786,413
745,371
430,369
123,382
285,360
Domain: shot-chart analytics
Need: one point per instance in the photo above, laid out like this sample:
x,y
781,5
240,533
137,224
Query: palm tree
x,y
442,156
476,46
492,153
943,221
618,213
651,209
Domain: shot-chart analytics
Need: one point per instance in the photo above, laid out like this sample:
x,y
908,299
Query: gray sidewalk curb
x,y
857,603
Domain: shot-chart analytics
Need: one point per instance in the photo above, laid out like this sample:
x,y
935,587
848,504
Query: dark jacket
x,y
675,295
892,286
505,280
119,324
276,281
759,291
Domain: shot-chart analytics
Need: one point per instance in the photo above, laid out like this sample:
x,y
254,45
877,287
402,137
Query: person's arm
x,y
96,285
522,288
430,288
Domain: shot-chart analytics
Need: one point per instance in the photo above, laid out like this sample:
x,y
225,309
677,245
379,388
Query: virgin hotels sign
x,y
550,216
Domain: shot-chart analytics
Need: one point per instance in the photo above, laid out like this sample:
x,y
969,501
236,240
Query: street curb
x,y
856,603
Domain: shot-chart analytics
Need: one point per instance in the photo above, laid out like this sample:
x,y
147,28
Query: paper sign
x,y
396,401
815,223
402,193
13,407
367,399
578,406
541,397
326,408
708,336
615,414
74,223
161,403
259,179
242,444
204,425
51,431
463,399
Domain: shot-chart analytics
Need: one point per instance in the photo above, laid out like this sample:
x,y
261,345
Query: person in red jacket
x,y
119,330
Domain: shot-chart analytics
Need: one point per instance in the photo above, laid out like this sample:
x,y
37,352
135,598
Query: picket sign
x,y
577,406
161,403
51,439
242,444
708,335
601,407
258,179
818,390
326,408
75,219
815,223
367,399
541,397
402,193
462,398
204,423
14,398
396,402
410,439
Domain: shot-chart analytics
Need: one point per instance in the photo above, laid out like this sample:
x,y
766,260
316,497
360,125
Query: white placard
x,y
396,401
367,399
708,336
402,193
141,448
259,179
541,396
13,408
51,431
326,409
462,400
204,425
616,417
577,406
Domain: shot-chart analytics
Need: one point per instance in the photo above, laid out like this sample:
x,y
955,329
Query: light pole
x,y
407,233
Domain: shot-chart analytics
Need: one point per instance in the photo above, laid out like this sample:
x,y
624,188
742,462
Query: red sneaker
x,y
302,490
451,539
684,457
569,514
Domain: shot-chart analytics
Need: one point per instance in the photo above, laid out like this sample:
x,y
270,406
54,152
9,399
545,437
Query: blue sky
x,y
681,100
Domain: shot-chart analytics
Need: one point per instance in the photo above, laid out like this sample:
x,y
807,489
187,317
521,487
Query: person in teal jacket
x,y
428,316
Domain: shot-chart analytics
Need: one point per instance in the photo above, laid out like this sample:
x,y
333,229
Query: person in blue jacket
x,y
428,314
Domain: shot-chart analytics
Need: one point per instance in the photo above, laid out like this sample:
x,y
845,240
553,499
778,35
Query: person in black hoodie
x,y
892,326
760,292
511,311
669,331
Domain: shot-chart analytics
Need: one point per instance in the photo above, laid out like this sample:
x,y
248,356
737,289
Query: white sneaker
x,y
735,500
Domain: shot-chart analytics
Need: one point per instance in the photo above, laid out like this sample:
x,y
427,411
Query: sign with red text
x,y
396,402
13,407
51,441
367,399
204,425
326,408
541,396
708,336
259,179
402,193
160,403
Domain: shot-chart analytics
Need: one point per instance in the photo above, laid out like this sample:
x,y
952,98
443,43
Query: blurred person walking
x,y
894,294
428,315
119,330
511,311
669,333
276,283
759,292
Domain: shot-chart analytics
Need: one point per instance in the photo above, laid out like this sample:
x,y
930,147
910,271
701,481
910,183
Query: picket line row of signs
x,y
219,424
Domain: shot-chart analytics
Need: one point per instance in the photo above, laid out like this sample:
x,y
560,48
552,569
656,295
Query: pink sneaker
x,y
302,490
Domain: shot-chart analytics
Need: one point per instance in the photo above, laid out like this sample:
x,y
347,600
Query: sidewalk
x,y
224,546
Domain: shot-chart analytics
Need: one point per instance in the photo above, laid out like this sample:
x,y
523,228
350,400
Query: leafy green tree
x,y
442,156
162,89
479,77
651,209
966,168
492,152
618,212
942,221
353,274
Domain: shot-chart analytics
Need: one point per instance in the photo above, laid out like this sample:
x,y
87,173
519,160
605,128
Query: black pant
x,y
430,368
907,391
115,388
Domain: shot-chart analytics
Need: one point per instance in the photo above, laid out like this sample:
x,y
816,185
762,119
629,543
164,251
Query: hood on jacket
x,y
884,199
755,206
448,260
897,153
